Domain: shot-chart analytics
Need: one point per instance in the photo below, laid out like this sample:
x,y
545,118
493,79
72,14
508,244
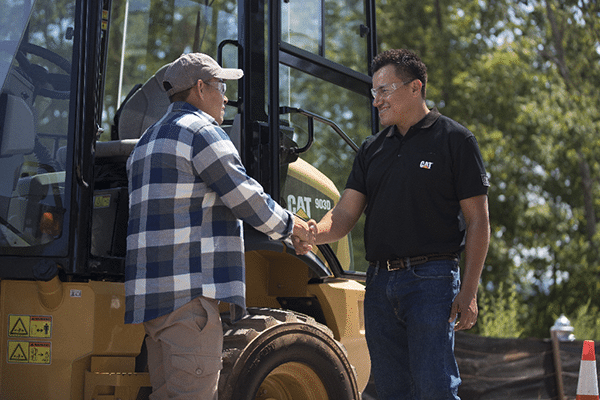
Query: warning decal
x,y
18,325
35,326
29,352
39,353
40,327
18,352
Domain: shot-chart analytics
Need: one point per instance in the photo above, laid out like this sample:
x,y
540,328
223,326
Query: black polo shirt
x,y
413,185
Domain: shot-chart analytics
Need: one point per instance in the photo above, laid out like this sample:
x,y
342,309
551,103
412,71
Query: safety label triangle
x,y
18,326
16,352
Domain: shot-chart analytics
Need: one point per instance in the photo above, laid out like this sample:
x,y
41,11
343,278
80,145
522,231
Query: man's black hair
x,y
408,65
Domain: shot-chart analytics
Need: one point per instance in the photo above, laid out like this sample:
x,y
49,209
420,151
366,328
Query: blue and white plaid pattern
x,y
188,196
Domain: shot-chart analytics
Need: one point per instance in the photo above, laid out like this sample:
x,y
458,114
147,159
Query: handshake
x,y
304,236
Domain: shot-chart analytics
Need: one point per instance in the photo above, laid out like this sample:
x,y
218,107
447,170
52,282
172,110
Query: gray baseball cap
x,y
184,72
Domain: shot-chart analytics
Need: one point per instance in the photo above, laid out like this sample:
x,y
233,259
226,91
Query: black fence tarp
x,y
523,369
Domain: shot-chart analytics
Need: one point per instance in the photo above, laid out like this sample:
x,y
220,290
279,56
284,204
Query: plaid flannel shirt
x,y
188,196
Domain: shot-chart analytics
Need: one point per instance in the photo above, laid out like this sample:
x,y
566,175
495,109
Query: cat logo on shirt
x,y
426,164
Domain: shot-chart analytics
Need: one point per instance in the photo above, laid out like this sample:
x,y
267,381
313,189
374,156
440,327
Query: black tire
x,y
283,355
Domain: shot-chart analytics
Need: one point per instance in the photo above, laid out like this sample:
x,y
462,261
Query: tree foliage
x,y
523,76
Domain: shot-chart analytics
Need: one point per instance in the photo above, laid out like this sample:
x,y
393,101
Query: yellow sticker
x,y
102,201
39,352
18,325
40,326
18,352
34,326
29,352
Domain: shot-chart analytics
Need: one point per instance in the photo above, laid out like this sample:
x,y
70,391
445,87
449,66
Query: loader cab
x,y
65,81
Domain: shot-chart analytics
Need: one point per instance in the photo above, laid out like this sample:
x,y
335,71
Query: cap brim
x,y
230,73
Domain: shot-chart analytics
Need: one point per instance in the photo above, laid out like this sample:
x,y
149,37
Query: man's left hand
x,y
464,311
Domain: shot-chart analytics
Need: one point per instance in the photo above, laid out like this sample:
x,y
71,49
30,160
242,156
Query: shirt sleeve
x,y
472,179
356,179
217,162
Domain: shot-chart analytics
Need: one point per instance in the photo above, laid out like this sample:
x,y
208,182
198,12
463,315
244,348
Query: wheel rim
x,y
292,381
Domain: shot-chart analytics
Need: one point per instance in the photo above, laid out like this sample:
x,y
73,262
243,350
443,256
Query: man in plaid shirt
x,y
189,195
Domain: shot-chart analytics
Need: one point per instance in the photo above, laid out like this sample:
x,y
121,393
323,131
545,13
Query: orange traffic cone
x,y
587,385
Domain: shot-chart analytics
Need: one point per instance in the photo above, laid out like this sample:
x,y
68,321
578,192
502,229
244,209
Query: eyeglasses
x,y
220,86
385,91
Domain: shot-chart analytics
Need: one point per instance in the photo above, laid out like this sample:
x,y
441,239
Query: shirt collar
x,y
426,122
185,106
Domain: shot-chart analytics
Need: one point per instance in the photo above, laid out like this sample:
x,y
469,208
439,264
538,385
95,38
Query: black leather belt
x,y
403,263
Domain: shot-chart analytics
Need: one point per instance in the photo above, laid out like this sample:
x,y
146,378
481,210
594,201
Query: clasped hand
x,y
304,236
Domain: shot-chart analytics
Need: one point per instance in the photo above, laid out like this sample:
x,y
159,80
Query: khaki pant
x,y
184,352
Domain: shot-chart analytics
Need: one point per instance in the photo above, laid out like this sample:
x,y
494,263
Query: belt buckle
x,y
390,266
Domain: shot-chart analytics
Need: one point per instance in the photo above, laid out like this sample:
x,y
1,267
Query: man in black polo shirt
x,y
423,186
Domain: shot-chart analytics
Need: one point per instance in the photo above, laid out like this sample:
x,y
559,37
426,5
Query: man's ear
x,y
199,89
195,95
416,86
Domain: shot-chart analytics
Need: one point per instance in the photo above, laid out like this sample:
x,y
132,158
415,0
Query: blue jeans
x,y
411,342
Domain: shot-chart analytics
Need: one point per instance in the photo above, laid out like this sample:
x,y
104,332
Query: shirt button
x,y
199,371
